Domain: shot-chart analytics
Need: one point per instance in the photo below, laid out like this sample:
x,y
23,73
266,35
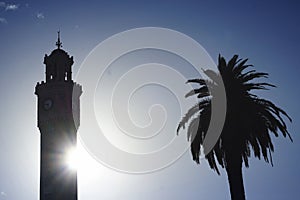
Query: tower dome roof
x,y
58,64
59,53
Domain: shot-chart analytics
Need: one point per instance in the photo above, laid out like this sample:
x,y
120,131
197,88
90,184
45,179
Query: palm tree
x,y
248,125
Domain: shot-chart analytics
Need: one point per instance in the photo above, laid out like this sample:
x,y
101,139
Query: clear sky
x,y
266,32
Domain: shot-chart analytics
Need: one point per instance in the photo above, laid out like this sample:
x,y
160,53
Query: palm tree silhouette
x,y
249,121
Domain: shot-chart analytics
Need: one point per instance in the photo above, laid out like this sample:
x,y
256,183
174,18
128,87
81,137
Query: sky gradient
x,y
264,31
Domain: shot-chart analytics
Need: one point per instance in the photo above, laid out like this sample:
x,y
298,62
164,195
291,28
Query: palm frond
x,y
212,162
257,86
191,112
232,62
253,75
212,75
199,81
241,67
250,121
203,91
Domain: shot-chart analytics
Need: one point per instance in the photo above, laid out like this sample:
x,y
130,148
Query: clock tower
x,y
58,121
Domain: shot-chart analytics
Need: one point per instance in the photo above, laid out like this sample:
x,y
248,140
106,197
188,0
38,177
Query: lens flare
x,y
72,159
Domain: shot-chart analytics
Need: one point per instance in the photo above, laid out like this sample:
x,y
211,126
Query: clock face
x,y
47,104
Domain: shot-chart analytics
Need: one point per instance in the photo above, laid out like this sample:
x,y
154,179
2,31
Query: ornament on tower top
x,y
58,43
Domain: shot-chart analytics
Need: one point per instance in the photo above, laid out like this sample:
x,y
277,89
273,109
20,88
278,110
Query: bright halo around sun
x,y
78,159
72,158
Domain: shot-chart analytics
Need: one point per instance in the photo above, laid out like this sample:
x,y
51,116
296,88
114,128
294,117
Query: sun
x,y
78,159
72,159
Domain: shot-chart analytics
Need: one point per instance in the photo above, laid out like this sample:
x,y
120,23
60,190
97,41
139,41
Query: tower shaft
x,y
58,122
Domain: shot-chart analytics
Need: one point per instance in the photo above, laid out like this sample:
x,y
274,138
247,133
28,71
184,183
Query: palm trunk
x,y
235,178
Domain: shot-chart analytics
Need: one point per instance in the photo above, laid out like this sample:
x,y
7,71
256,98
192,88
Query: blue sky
x,y
266,32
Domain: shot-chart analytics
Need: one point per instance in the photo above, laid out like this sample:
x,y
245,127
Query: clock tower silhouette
x,y
58,122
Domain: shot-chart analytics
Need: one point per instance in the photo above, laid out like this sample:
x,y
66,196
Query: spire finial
x,y
58,43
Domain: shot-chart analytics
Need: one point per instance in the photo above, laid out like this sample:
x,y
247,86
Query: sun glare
x,y
78,159
72,159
